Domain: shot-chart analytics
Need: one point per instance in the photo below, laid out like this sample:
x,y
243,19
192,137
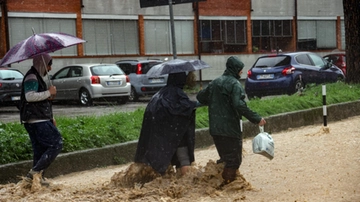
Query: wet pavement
x,y
11,113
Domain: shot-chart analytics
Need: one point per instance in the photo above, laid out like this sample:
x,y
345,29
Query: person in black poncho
x,y
167,135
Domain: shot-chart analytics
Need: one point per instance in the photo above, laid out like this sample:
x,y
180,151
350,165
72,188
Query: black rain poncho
x,y
169,122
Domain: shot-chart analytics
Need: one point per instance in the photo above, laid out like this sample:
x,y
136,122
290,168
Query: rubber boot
x,y
229,175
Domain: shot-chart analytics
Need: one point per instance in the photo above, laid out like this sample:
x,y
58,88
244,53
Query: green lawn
x,y
84,132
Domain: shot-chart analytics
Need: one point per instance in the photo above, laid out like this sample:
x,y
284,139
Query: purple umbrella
x,y
38,44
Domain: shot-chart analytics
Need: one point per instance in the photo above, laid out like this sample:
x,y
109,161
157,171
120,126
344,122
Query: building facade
x,y
210,30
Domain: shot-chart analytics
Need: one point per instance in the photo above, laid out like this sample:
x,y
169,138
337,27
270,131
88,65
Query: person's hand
x,y
54,121
52,90
262,122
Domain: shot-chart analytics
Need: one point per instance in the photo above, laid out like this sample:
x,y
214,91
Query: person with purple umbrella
x,y
37,116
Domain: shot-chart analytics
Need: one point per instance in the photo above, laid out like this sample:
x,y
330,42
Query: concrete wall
x,y
124,153
310,8
132,7
274,8
319,8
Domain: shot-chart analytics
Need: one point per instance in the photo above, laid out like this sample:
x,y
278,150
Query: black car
x,y
10,87
141,84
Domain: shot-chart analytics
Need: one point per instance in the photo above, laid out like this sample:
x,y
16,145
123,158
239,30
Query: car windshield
x,y
273,61
10,75
101,70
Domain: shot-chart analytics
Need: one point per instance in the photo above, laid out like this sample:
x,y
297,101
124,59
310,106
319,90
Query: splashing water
x,y
138,182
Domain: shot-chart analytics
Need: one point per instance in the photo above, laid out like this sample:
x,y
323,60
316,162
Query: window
x,y
110,37
318,61
316,34
303,59
271,35
62,74
20,28
158,39
219,36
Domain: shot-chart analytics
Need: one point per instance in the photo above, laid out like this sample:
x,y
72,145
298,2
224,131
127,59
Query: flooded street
x,y
310,165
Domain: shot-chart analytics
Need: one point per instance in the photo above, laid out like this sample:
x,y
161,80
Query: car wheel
x,y
85,98
123,100
340,79
298,87
133,95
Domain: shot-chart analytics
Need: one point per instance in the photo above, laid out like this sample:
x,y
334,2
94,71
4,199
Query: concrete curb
x,y
124,153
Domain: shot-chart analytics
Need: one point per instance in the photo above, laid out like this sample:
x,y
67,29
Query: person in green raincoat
x,y
224,97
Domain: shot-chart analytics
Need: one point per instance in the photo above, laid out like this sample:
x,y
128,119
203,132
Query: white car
x,y
87,82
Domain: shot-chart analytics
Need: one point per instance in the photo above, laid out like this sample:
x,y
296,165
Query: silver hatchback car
x,y
87,82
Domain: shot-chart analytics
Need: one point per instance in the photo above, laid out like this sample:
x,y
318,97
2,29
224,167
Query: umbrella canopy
x,y
176,66
38,44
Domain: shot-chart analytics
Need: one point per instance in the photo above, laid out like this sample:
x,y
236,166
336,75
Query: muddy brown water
x,y
311,164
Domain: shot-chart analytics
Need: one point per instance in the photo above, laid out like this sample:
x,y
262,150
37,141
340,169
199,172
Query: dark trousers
x,y
46,143
229,150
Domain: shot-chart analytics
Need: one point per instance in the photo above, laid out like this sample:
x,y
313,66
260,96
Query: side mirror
x,y
329,64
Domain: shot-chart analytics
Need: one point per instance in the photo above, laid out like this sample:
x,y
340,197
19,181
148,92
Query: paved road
x,y
11,114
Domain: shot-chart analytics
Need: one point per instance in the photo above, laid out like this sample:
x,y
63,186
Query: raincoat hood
x,y
40,63
234,66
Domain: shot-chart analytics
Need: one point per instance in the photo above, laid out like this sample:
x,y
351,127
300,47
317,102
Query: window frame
x,y
158,36
312,36
23,25
112,38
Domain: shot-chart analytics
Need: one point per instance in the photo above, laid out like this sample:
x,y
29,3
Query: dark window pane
x,y
278,27
216,30
240,32
230,31
256,27
286,27
265,28
205,30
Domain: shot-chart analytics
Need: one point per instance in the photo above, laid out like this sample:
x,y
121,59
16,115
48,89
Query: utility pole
x,y
4,17
173,38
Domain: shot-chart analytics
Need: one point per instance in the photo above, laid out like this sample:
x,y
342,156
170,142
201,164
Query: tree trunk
x,y
352,40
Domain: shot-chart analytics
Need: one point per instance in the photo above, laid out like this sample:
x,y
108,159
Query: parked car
x,y
287,73
338,59
141,84
10,86
87,82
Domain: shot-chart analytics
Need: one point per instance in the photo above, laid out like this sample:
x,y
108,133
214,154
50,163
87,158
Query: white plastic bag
x,y
263,144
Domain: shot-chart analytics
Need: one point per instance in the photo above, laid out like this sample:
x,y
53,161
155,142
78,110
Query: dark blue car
x,y
287,73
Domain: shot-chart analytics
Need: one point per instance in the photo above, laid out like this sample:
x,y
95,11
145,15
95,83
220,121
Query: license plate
x,y
265,76
157,80
114,83
15,98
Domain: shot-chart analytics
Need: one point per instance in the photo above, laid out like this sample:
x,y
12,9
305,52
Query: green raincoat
x,y
225,98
